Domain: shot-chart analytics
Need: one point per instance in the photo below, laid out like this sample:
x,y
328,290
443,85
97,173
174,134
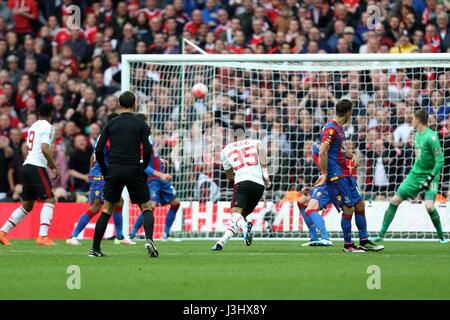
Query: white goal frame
x,y
313,62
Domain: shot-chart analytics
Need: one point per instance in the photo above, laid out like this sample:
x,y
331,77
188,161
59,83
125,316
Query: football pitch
x,y
189,270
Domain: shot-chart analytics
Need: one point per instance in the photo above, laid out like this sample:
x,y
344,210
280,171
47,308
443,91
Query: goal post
x,y
284,101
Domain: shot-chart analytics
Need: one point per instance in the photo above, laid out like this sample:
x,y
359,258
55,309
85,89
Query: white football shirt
x,y
40,132
242,156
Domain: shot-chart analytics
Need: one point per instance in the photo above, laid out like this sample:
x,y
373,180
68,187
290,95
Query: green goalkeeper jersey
x,y
429,157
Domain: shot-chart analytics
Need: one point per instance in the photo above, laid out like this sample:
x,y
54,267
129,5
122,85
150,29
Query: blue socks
x,y
137,225
170,218
118,224
312,228
346,224
317,219
361,223
82,223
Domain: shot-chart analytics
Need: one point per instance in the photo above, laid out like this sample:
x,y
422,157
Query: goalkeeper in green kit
x,y
424,176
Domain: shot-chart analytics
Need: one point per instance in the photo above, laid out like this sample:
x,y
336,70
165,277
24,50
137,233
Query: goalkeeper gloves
x,y
427,183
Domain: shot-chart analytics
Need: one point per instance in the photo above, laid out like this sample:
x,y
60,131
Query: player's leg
x,y
136,226
313,236
84,219
148,220
167,195
118,225
114,185
46,219
430,198
319,199
360,219
237,221
409,188
228,234
170,217
16,217
254,192
43,191
100,228
346,225
139,194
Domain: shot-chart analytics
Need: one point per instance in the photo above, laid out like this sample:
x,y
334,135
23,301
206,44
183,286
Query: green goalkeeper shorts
x,y
411,187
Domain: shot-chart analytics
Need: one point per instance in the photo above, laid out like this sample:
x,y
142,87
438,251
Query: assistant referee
x,y
126,134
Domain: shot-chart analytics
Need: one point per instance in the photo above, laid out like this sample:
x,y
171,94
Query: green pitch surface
x,y
189,270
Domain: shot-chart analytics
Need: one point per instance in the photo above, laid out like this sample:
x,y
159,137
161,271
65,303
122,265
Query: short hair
x,y
422,116
238,126
343,106
111,116
127,100
46,110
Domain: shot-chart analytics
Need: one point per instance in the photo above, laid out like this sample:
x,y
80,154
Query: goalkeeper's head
x,y
239,131
344,111
420,119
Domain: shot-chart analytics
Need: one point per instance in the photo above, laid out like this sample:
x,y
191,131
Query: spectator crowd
x,y
45,59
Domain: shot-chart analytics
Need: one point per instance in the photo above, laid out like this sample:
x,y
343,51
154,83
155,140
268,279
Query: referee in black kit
x,y
126,133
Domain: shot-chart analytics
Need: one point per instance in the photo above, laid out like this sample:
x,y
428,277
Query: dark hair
x,y
343,106
111,116
46,110
422,116
127,100
238,126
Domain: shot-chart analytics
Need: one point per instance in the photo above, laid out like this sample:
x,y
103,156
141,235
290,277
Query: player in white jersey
x,y
36,183
245,164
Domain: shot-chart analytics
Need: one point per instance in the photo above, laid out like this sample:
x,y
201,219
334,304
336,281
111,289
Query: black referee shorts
x,y
126,176
36,184
246,195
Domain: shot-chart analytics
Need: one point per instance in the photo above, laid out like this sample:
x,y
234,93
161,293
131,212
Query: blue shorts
x,y
322,195
162,192
344,191
96,185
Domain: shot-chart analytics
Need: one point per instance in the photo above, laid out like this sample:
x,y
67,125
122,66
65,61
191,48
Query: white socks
x,y
238,221
14,219
228,235
46,218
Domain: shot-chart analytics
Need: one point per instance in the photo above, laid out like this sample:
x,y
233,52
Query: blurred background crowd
x,y
78,70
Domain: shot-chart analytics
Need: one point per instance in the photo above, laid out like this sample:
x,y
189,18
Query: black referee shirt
x,y
126,134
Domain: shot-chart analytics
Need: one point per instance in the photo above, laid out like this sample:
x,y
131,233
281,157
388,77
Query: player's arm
x,y
99,150
150,171
229,171
349,154
230,176
47,152
46,142
263,161
323,162
435,146
147,148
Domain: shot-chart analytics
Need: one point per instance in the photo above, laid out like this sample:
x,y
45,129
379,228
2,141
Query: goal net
x,y
284,101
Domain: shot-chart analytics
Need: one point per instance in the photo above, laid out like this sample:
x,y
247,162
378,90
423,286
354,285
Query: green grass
x,y
189,270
